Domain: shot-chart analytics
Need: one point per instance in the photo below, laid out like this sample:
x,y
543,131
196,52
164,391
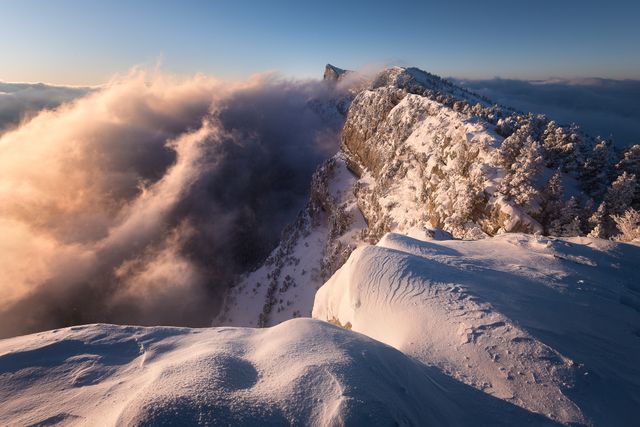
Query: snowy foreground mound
x,y
549,325
510,330
301,372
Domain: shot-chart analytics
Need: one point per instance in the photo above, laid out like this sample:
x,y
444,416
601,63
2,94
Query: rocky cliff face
x,y
332,72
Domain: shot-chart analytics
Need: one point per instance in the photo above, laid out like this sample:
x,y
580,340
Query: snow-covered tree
x,y
621,193
558,146
618,199
466,195
629,225
551,200
630,161
505,126
520,155
598,222
568,222
455,186
573,225
595,170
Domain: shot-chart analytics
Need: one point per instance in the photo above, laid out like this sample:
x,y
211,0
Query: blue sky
x,y
87,41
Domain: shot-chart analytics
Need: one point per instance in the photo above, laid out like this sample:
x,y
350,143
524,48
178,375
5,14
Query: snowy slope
x,y
302,372
309,252
549,325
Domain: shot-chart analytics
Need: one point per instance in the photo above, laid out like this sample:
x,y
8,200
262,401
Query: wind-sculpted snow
x,y
549,325
302,372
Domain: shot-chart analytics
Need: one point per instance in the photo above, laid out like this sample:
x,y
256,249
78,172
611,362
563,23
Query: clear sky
x,y
87,41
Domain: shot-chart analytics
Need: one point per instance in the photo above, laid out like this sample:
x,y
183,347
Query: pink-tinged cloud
x,y
141,201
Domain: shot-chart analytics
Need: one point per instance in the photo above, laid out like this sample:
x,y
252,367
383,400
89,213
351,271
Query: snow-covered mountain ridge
x,y
438,243
416,154
420,152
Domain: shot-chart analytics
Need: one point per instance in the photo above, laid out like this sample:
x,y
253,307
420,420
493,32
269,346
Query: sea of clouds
x,y
19,102
139,201
604,107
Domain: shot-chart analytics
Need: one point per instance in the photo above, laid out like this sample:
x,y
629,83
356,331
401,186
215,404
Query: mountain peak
x,y
331,72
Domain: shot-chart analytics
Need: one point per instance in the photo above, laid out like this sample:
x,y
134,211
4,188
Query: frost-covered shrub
x,y
629,225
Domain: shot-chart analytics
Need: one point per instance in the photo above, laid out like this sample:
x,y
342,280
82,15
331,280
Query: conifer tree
x,y
595,170
558,147
597,222
551,201
572,224
522,154
630,161
568,222
621,193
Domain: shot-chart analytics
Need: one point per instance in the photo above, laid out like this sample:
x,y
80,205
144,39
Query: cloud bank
x,y
21,101
600,106
139,202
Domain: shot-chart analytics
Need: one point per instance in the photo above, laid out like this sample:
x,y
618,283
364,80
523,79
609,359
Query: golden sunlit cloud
x,y
123,205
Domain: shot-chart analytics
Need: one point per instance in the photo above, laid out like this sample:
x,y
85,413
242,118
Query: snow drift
x,y
549,325
511,330
302,372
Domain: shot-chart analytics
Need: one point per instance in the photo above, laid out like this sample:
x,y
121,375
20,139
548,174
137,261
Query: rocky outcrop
x,y
361,141
332,72
422,163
